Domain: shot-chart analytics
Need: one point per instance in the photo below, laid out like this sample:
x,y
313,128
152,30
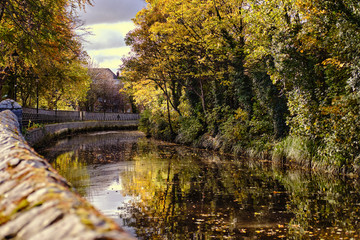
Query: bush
x,y
190,130
145,122
161,129
154,125
341,133
235,132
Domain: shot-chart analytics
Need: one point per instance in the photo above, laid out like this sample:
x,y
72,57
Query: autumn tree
x,y
241,75
194,51
311,52
106,92
42,34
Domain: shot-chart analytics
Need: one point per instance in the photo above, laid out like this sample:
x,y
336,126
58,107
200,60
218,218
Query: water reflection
x,y
164,191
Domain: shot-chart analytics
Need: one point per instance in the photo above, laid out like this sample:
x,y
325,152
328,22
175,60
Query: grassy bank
x,y
235,137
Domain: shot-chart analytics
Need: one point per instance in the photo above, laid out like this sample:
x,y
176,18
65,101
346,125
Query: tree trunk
x,y
202,97
169,117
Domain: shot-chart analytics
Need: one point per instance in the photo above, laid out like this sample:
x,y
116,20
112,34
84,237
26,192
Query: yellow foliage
x,y
333,61
241,114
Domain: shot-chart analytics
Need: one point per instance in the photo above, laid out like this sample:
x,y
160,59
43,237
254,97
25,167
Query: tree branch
x,y
3,4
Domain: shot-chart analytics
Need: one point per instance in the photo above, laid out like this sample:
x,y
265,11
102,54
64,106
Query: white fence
x,y
49,116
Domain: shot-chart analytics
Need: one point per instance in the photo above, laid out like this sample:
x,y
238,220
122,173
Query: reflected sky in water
x,y
157,190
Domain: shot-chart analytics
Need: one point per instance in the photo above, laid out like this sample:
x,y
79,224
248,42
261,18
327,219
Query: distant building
x,y
102,73
104,93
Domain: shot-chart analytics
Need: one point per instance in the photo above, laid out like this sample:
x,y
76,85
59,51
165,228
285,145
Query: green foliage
x,y
190,130
40,53
144,123
153,123
303,113
297,149
341,136
32,125
262,132
234,131
253,73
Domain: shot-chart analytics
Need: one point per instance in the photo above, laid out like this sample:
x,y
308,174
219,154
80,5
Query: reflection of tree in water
x,y
184,197
73,170
102,154
181,193
112,142
194,195
323,206
71,156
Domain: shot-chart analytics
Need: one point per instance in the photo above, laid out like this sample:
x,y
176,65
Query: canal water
x,y
157,190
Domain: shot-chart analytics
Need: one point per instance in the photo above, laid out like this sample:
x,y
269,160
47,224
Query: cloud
x,y
107,35
109,58
111,11
108,22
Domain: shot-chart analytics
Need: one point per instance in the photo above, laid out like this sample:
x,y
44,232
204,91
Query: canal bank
x,y
41,135
36,202
161,190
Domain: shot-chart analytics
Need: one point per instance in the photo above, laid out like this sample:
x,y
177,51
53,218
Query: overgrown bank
x,y
277,79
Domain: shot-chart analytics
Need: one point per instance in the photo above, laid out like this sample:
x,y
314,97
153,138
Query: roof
x,y
102,73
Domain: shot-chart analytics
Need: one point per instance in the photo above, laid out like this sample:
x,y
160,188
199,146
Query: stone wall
x,y
38,135
36,202
9,104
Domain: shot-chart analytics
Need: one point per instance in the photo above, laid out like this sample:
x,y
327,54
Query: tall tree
x,y
42,33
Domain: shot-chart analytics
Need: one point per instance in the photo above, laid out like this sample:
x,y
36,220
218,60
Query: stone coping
x,y
36,202
9,104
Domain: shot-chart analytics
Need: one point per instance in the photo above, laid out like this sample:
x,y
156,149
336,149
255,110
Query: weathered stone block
x,y
9,104
36,202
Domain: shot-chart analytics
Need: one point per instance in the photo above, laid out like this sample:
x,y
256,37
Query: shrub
x,y
235,131
190,130
145,122
341,133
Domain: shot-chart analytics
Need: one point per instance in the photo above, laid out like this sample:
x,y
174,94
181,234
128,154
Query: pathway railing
x,y
55,116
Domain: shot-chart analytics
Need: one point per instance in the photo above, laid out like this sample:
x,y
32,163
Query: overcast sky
x,y
109,21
